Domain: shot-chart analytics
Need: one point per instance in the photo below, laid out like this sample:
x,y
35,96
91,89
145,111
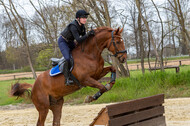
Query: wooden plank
x,y
133,105
101,119
159,121
165,67
137,116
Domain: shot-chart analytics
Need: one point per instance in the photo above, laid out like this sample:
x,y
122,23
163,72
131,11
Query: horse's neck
x,y
96,44
93,46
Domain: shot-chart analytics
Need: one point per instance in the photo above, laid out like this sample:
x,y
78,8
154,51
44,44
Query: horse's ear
x,y
121,30
117,31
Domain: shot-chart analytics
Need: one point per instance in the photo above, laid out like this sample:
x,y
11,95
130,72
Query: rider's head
x,y
82,16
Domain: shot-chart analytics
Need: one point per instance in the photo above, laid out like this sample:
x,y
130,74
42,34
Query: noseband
x,y
116,49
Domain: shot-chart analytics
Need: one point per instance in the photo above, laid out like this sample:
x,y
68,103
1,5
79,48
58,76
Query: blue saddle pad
x,y
54,71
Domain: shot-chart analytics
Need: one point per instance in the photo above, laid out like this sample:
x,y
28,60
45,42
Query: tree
x,y
177,10
138,4
141,43
20,27
162,36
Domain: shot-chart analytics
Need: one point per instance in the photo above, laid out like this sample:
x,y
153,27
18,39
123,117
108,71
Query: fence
x,y
166,63
17,75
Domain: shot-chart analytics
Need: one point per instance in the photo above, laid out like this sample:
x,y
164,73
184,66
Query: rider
x,y
73,34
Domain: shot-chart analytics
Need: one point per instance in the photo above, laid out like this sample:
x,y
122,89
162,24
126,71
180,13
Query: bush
x,y
43,59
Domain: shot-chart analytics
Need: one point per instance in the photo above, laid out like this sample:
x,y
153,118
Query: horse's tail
x,y
19,90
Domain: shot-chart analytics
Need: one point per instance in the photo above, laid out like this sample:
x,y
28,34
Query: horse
x,y
47,92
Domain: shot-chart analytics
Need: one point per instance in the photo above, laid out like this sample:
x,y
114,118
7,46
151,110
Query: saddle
x,y
58,68
58,65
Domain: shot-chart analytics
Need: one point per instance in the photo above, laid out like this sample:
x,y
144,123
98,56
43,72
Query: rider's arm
x,y
75,33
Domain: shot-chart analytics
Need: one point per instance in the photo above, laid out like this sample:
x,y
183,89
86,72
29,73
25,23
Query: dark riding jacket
x,y
74,31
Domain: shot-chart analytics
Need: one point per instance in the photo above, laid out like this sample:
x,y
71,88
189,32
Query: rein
x,y
116,49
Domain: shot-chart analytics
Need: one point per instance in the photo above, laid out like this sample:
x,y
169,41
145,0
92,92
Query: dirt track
x,y
177,112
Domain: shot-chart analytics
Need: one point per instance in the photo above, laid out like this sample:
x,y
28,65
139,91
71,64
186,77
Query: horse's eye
x,y
118,42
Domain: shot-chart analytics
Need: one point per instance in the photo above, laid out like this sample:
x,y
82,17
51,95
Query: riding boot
x,y
67,74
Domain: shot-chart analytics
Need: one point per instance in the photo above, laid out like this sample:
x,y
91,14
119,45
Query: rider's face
x,y
83,20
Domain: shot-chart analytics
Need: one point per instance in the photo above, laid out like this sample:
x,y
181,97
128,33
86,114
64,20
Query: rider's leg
x,y
65,50
67,73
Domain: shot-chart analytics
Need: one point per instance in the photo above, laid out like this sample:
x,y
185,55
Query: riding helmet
x,y
81,14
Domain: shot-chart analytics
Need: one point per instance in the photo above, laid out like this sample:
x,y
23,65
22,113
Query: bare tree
x,y
46,20
138,4
177,10
141,43
162,36
20,29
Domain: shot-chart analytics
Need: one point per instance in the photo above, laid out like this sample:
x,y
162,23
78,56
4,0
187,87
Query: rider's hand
x,y
76,43
91,33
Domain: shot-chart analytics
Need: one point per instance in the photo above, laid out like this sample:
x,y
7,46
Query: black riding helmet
x,y
81,14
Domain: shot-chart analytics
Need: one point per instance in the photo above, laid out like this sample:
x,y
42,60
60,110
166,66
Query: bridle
x,y
116,49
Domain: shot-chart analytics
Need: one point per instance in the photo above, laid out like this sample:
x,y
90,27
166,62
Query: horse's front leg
x,y
93,83
113,74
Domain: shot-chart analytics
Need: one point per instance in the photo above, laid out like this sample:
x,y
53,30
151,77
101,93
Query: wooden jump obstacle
x,y
140,112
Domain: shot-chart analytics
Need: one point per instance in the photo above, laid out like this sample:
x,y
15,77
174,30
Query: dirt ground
x,y
177,113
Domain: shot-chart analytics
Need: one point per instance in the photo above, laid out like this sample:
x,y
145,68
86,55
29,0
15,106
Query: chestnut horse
x,y
48,92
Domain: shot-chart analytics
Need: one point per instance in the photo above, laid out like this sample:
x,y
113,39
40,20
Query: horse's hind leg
x,y
56,108
42,116
41,102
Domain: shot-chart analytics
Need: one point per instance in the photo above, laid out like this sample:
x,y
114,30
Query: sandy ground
x,y
177,113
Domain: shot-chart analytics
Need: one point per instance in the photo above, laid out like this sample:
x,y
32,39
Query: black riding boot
x,y
67,74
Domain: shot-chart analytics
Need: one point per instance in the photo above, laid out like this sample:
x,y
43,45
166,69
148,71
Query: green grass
x,y
137,86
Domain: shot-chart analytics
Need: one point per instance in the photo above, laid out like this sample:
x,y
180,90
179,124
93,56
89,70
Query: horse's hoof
x,y
88,99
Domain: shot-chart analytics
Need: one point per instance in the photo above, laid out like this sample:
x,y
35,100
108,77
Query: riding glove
x,y
91,33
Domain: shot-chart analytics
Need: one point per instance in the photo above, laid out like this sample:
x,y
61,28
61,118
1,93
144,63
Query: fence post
x,y
180,62
137,67
14,77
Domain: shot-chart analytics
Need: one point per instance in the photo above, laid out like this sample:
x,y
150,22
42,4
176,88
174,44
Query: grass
x,y
137,86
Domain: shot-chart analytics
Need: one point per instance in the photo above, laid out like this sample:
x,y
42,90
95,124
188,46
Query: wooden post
x,y
137,67
14,77
180,62
177,69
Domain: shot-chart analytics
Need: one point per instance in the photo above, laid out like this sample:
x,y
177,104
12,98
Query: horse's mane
x,y
100,29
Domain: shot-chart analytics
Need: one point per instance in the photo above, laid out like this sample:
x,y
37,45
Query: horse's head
x,y
116,45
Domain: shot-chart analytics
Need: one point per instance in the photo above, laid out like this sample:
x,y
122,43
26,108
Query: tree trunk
x,y
141,43
30,62
162,37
